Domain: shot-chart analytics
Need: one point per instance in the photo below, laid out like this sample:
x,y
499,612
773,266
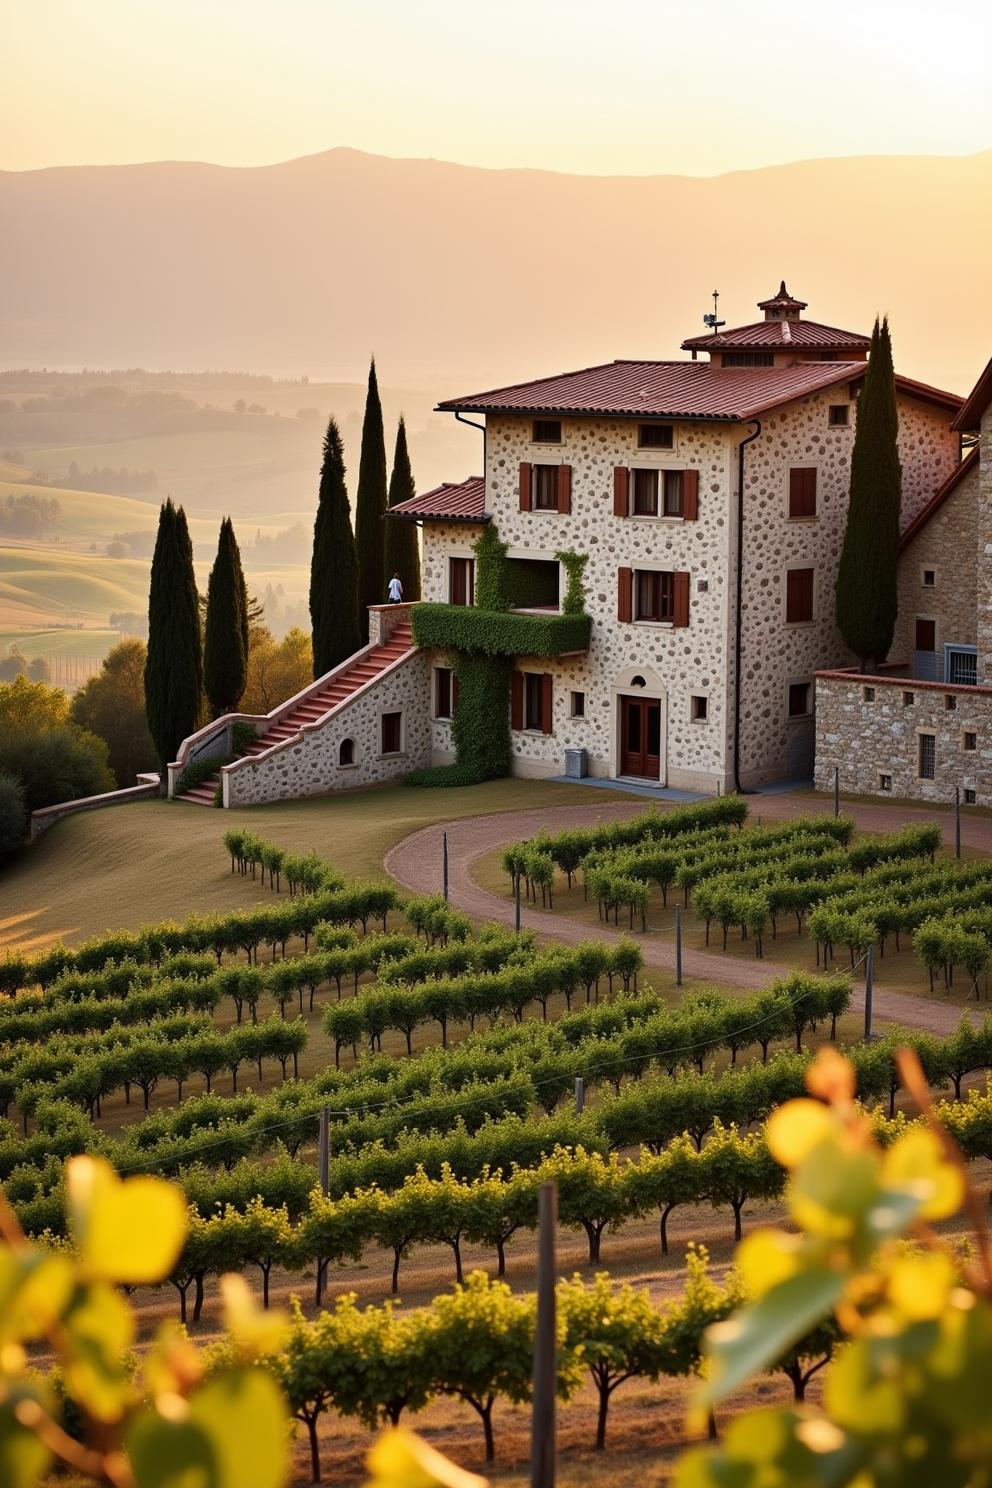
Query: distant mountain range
x,y
469,277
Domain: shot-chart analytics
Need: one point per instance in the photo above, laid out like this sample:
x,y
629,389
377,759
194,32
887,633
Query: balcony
x,y
527,631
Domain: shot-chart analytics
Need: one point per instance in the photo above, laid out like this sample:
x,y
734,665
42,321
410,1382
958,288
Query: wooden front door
x,y
640,737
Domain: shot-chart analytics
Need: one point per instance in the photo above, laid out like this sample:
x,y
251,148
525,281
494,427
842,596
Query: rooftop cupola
x,y
782,306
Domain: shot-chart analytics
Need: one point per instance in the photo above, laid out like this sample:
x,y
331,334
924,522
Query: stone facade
x,y
310,764
984,548
869,729
948,547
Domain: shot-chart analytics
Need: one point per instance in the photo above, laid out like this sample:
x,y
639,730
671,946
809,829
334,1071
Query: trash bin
x,y
576,764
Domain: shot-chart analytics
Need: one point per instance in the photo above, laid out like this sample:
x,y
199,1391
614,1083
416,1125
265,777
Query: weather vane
x,y
713,320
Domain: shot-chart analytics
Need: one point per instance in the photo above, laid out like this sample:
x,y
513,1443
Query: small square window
x,y
868,693
908,699
547,431
392,733
799,699
699,708
578,705
970,796
927,756
840,414
929,578
950,702
885,782
969,741
656,436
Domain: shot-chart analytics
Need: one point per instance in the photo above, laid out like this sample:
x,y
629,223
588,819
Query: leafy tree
x,y
225,641
112,706
866,577
55,764
370,508
173,668
277,670
402,552
483,1347
33,705
13,815
334,571
617,1332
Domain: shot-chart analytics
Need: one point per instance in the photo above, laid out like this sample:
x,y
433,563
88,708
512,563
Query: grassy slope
x,y
162,859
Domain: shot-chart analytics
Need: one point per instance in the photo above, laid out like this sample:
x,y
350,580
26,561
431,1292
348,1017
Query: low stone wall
x,y
869,728
310,765
47,816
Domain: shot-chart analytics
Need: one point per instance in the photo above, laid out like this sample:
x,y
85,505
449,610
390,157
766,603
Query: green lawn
x,y
164,859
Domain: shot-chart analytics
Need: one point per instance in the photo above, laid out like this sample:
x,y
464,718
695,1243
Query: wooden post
x,y
324,1162
444,864
516,901
957,821
543,1447
678,945
836,791
869,970
580,1095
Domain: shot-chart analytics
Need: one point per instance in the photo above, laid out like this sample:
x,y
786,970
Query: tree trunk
x,y
604,1405
397,1253
198,1297
664,1227
314,1449
594,1236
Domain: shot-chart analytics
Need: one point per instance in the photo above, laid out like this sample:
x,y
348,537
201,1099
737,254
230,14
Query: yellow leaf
x,y
400,1459
129,1231
99,1328
765,1258
256,1333
793,1130
916,1163
919,1285
831,1077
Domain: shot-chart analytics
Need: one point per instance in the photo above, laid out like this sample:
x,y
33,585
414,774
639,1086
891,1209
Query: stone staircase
x,y
315,704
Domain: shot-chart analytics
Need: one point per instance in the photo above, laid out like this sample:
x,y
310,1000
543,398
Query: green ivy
x,y
491,588
458,628
574,565
201,770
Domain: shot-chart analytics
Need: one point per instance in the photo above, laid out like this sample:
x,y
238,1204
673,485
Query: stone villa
x,y
710,496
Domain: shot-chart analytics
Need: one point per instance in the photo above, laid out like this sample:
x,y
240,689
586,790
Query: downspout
x,y
740,602
471,424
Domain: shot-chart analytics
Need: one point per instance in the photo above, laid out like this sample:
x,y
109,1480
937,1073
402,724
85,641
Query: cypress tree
x,y
866,579
401,549
370,508
334,566
174,665
225,645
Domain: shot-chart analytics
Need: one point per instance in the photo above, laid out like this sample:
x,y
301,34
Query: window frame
x,y
656,444
469,570
439,672
656,577
695,699
351,764
924,570
806,683
790,496
639,476
391,713
839,423
967,734
805,619
543,480
533,685
573,711
919,620
921,735
544,438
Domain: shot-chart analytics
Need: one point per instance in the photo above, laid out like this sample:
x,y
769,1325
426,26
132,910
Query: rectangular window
x,y
926,635
545,487
970,796
908,699
799,595
645,493
950,702
961,666
654,595
547,431
868,694
656,436
578,705
461,581
969,741
699,708
802,493
840,414
673,493
534,702
799,699
442,692
392,733
885,782
927,756
929,578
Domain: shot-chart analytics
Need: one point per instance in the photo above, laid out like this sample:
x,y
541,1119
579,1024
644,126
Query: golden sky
x,y
602,86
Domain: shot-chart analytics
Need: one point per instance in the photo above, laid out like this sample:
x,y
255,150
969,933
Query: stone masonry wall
x,y
948,544
870,726
984,548
310,767
776,654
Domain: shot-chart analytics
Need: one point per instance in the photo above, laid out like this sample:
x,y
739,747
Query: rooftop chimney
x,y
782,306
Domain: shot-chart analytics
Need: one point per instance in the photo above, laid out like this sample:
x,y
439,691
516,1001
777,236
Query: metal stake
x,y
324,1161
444,864
678,945
580,1095
543,1450
869,971
957,821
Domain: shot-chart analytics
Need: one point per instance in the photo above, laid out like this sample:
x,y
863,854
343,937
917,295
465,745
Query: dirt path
x,y
416,864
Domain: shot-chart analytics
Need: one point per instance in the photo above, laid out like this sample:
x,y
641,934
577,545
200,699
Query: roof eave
x,y
558,411
398,516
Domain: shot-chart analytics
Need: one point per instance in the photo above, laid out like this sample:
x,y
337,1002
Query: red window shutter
x,y
625,594
690,495
621,491
564,489
680,598
802,493
547,684
517,700
799,595
526,475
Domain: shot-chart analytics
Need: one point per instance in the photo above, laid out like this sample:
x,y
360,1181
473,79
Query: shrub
x,y
13,815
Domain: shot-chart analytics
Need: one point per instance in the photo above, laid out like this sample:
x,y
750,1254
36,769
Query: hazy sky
x,y
697,86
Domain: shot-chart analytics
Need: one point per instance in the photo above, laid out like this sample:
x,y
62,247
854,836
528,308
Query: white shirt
x,y
395,590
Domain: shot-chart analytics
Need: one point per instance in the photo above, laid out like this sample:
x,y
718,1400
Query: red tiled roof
x,y
452,501
690,390
779,335
970,417
938,498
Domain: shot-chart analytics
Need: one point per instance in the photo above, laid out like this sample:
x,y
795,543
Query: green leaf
x,y
755,1338
23,1458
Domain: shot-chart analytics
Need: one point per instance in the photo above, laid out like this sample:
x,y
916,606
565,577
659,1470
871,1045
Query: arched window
x,y
346,752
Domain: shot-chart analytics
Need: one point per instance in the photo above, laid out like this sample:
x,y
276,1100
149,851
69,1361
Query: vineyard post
x,y
444,864
957,821
678,945
580,1095
325,1184
543,1451
836,790
516,901
869,970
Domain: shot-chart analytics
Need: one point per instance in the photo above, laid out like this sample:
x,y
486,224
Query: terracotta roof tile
x,y
780,335
969,419
451,501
